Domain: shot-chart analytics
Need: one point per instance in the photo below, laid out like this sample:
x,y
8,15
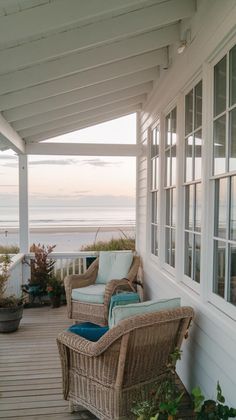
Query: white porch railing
x,y
65,263
16,276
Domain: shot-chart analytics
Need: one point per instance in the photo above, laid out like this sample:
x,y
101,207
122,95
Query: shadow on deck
x,y
30,371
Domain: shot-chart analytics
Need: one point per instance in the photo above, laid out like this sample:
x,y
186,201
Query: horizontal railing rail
x,y
67,262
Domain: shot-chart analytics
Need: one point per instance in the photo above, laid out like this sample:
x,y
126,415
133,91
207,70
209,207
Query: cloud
x,y
60,162
100,162
8,157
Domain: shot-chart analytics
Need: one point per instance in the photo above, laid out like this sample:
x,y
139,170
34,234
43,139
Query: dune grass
x,y
11,249
119,244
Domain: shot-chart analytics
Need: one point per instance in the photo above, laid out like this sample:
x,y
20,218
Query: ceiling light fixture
x,y
182,47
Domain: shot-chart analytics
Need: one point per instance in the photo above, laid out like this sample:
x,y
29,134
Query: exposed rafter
x,y
82,149
12,139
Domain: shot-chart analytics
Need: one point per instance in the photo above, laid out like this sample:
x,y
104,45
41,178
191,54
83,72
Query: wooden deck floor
x,y
30,371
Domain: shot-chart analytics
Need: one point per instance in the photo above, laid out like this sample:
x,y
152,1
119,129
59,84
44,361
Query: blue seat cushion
x,y
88,330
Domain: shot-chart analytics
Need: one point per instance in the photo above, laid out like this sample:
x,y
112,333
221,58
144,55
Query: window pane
x,y
167,245
154,207
189,112
167,156
232,285
232,75
232,137
198,154
172,263
221,208
188,254
173,193
153,169
219,268
197,258
168,208
154,249
198,106
233,209
220,87
189,209
173,126
168,130
155,142
198,208
173,165
189,159
219,146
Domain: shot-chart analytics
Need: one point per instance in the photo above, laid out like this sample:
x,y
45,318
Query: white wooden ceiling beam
x,y
108,116
79,95
59,15
84,106
80,116
107,31
81,149
74,63
79,80
12,138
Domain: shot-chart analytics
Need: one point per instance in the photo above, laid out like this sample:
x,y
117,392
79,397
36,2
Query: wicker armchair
x,y
109,375
94,312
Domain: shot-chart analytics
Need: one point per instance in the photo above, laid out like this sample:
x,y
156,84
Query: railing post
x,y
23,204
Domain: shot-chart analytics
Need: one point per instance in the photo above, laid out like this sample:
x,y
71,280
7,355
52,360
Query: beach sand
x,y
66,238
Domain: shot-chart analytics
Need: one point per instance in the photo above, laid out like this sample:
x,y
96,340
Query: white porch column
x,y
23,204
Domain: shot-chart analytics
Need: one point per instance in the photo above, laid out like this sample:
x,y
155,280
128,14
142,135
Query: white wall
x,y
210,352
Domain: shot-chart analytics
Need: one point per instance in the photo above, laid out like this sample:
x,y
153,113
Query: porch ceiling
x,y
69,64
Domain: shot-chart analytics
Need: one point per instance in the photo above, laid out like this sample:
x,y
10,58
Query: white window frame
x,y
214,299
167,267
188,281
154,126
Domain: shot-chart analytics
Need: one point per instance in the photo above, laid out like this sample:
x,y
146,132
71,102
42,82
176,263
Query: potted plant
x,y
11,307
55,289
41,270
211,409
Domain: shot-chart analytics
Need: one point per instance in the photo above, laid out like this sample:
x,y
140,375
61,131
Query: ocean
x,y
68,227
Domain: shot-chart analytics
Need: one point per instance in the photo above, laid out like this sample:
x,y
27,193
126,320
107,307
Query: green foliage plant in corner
x,y
164,401
211,409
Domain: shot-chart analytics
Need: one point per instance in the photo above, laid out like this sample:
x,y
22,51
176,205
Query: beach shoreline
x,y
67,238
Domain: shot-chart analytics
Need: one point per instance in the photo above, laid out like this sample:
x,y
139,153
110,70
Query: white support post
x,y
23,204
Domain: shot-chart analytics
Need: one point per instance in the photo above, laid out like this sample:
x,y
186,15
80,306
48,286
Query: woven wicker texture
x,y
97,313
108,376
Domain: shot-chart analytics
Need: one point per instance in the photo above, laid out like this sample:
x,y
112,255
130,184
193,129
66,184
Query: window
x,y
155,138
224,166
192,185
170,187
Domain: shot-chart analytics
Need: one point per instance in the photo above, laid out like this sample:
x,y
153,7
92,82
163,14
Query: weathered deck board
x,y
30,371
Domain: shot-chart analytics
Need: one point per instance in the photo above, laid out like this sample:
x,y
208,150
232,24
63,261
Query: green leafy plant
x,y
164,402
42,265
211,409
54,287
6,301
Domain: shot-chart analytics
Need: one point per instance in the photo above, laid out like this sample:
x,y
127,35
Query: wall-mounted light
x,y
182,47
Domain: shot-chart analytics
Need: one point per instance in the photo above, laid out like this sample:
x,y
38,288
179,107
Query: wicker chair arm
x,y
92,349
74,281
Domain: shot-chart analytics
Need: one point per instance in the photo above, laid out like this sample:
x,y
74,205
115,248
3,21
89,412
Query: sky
x,y
71,180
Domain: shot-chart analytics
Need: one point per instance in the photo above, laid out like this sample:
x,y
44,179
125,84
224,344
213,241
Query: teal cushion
x,y
88,330
122,312
123,298
113,265
92,294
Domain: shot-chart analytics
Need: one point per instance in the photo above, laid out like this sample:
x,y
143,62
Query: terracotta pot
x,y
10,318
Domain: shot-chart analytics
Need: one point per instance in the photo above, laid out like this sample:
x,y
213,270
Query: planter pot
x,y
55,301
10,318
